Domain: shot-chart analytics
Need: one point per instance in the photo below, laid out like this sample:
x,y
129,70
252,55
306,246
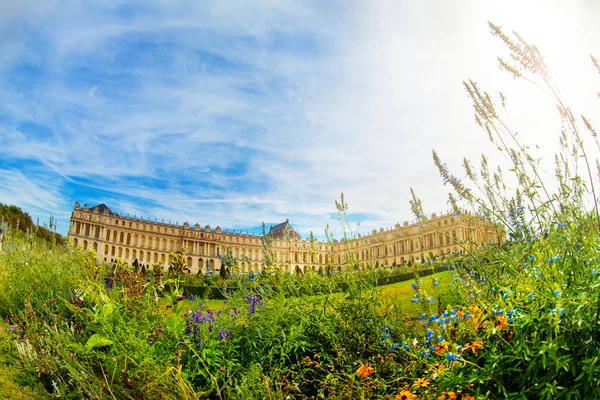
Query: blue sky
x,y
235,113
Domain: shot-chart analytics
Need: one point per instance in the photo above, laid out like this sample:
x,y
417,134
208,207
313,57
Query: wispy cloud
x,y
233,113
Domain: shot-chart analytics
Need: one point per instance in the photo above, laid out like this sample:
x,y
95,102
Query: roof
x,y
284,231
102,208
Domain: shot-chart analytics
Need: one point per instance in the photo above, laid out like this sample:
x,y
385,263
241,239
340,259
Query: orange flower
x,y
478,344
441,348
436,370
406,395
447,396
502,322
421,382
460,314
364,370
468,398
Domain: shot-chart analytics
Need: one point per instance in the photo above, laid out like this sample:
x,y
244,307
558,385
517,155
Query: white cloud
x,y
318,99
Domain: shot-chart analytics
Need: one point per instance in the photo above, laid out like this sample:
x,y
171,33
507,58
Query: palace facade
x,y
113,236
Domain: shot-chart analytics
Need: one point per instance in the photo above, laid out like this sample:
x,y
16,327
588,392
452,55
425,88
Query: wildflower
x,y
448,396
223,335
364,371
451,357
422,382
406,395
440,350
437,369
160,330
192,297
476,345
253,301
556,293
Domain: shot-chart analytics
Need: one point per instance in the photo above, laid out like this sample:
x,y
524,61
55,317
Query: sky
x,y
234,113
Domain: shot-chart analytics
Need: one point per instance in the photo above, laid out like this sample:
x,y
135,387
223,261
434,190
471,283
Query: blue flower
x,y
556,293
451,357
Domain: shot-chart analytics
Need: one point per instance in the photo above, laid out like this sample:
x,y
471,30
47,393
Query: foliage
x,y
14,217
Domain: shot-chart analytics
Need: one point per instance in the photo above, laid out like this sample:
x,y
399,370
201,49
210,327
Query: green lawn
x,y
398,295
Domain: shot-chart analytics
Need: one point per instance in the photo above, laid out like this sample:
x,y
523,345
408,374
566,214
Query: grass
x,y
13,382
399,294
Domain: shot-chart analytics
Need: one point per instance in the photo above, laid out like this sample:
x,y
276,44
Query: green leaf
x,y
174,324
97,340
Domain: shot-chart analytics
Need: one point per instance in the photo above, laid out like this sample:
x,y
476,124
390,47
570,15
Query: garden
x,y
520,319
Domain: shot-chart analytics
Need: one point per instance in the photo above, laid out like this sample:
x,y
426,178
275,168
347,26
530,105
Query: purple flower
x,y
192,297
253,301
223,334
160,330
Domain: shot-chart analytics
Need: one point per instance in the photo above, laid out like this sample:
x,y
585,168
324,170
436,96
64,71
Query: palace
x,y
114,236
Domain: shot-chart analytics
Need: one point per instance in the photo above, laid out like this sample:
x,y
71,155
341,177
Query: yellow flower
x,y
447,396
406,395
421,382
364,370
